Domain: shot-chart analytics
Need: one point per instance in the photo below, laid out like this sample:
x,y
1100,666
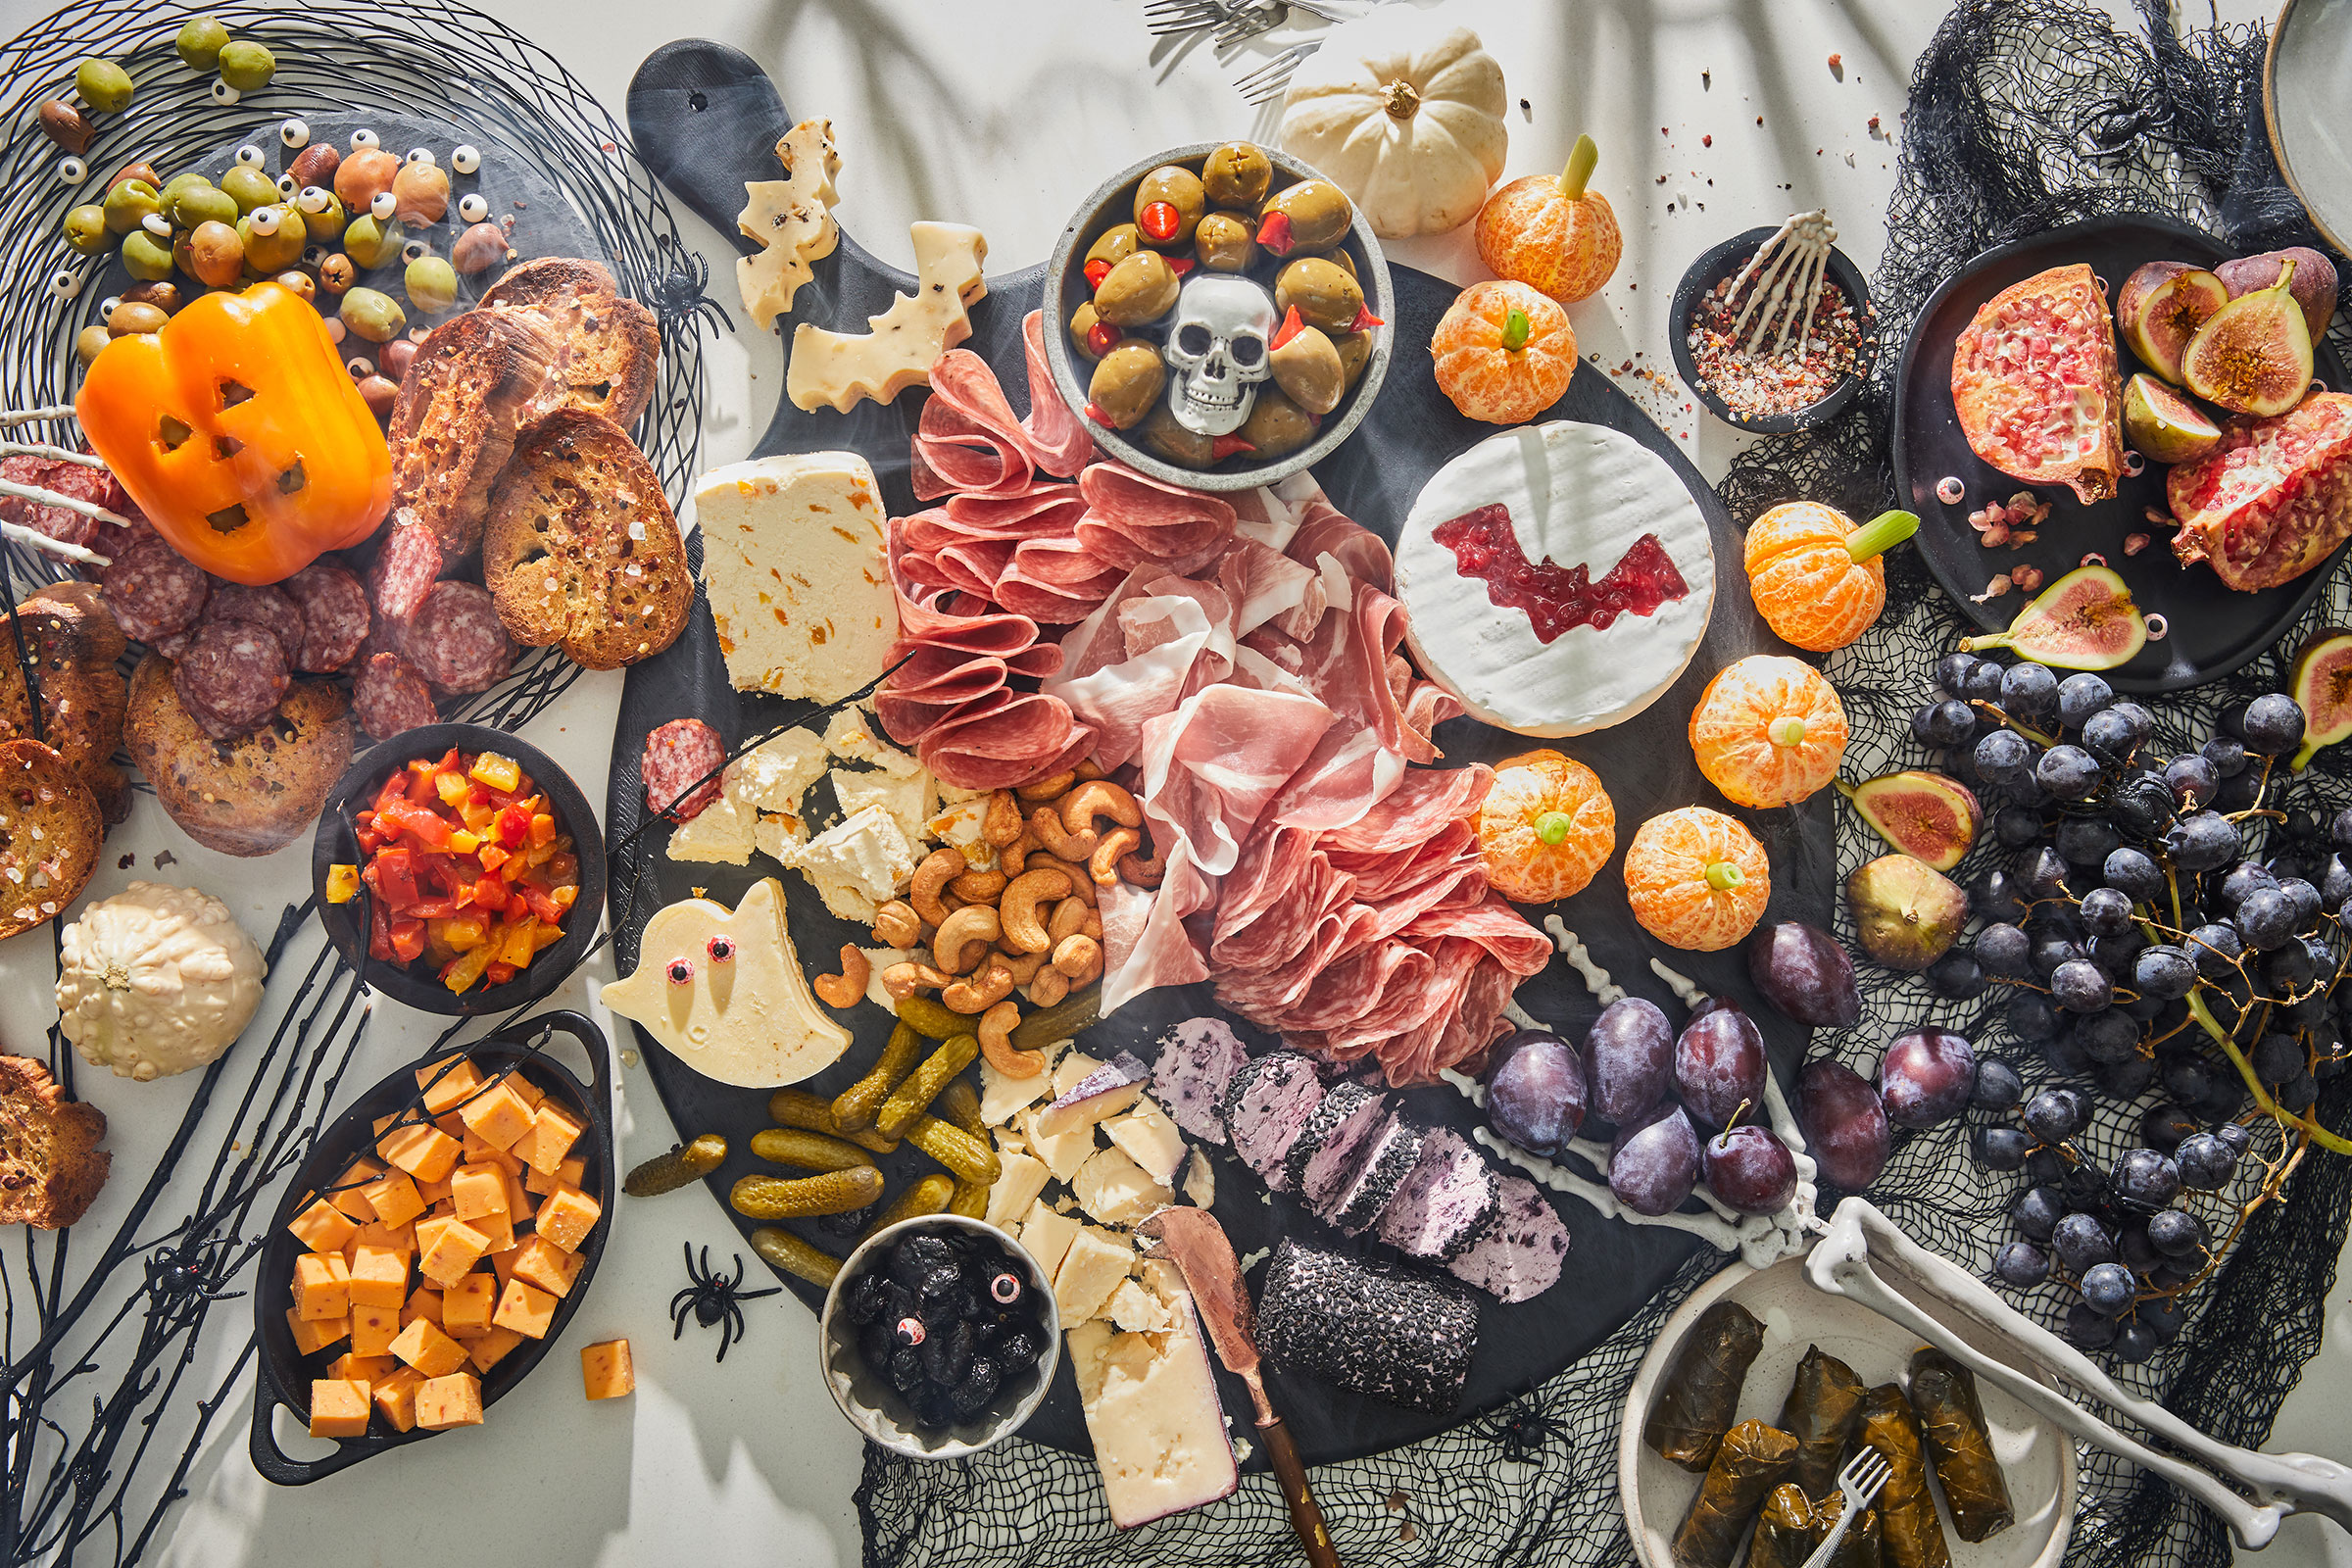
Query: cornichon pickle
x,y
836,1192
933,1018
1079,1011
930,1196
797,1146
970,1199
969,1157
959,1103
667,1173
795,1256
854,1108
797,1107
923,1085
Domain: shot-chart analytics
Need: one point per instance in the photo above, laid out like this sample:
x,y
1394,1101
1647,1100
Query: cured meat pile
x,y
79,480
1240,661
433,635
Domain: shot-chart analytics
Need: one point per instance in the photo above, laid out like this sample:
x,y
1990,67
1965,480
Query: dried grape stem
x,y
2245,1069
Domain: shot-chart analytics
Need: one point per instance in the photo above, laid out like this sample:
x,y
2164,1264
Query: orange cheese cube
x,y
498,1115
466,1306
338,1409
567,1217
504,1264
541,1262
379,1276
435,1193
449,1402
382,1123
395,1397
570,1173
526,1308
352,1199
490,1348
431,1351
478,1190
322,1286
367,1369
446,1082
322,1227
398,1240
530,1091
314,1334
520,1206
422,1304
451,1124
394,1197
374,1329
605,1370
553,1131
499,1231
425,1152
472,1150
456,1248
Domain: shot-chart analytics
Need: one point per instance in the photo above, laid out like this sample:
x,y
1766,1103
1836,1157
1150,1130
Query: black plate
x,y
1411,430
284,1374
346,925
2211,629
1722,261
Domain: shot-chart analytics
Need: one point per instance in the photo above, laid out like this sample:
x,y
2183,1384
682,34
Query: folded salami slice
x,y
1058,439
967,438
1003,742
387,696
153,590
335,618
1519,1253
1132,519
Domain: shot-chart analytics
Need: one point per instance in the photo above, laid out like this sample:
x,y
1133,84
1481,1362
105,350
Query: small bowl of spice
x,y
1773,381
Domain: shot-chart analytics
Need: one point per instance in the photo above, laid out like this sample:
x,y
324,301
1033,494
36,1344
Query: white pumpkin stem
x,y
1401,99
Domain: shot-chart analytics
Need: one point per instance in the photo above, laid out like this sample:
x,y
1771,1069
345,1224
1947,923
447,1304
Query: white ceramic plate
x,y
2037,1460
2305,84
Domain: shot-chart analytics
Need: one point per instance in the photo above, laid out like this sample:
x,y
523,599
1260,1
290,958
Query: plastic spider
x,y
189,1271
715,1303
682,294
1523,1430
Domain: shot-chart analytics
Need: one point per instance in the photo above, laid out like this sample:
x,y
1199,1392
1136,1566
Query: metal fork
x,y
1164,17
1859,1482
1270,78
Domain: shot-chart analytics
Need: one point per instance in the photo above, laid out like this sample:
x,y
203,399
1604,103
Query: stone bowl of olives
x,y
1223,315
939,1337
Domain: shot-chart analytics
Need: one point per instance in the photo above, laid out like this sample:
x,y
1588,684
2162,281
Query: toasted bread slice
x,y
251,795
51,1167
472,384
581,548
72,644
49,833
610,347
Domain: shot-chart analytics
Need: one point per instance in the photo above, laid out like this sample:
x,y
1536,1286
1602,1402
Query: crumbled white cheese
x,y
859,862
776,774
779,836
908,798
720,833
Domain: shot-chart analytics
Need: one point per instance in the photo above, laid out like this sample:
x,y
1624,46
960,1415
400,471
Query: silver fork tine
x,y
1857,1484
1275,74
1246,21
1164,17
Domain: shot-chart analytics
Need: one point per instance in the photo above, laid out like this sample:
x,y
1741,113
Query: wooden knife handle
x,y
1305,1518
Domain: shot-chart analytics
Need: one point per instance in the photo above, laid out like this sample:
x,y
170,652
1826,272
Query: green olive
x,y
249,188
1236,175
1116,244
180,185
202,204
1142,288
104,85
215,256
1226,242
131,321
1323,292
1354,350
89,342
146,257
1162,436
1318,212
1276,426
128,203
370,242
432,284
246,66
373,314
200,42
1307,369
1180,189
1082,321
273,238
1339,257
1127,384
87,230
322,215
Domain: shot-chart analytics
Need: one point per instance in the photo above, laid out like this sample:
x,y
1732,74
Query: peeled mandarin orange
x,y
1816,578
1768,731
1551,231
1696,879
1502,351
1546,827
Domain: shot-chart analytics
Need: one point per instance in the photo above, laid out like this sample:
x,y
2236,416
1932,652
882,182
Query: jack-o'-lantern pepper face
x,y
239,433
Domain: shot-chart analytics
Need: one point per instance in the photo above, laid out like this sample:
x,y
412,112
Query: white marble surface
x,y
1001,113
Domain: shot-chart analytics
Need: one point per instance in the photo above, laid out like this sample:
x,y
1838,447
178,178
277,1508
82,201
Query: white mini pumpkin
x,y
1405,112
156,980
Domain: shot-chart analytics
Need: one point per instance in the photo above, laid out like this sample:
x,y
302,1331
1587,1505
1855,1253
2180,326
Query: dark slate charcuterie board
x,y
706,119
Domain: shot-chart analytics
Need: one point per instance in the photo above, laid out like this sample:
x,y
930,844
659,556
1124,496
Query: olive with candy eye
x,y
1235,174
1126,384
1168,203
1321,291
1142,288
273,238
1225,242
1312,215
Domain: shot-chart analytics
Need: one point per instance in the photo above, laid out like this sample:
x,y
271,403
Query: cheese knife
x,y
1198,1245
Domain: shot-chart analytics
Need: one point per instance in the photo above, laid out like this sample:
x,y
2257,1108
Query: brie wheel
x,y
1578,495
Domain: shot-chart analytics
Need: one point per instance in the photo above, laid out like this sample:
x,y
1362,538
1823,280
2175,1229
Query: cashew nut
x,y
897,925
1050,987
977,993
978,887
1018,906
1045,789
904,980
1087,768
964,939
939,868
995,1043
1099,798
1001,823
1080,957
848,988
1139,871
1060,842
1068,915
1093,927
1081,885
1103,863
1024,965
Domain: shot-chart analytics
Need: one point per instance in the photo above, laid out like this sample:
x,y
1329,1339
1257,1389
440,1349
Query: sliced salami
x,y
61,477
457,641
389,696
268,609
230,677
153,590
967,437
335,618
407,562
1058,439
676,755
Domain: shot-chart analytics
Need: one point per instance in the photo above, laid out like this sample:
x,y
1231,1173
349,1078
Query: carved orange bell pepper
x,y
238,433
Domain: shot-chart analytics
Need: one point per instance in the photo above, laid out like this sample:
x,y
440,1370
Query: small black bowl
x,y
284,1374
419,986
1722,261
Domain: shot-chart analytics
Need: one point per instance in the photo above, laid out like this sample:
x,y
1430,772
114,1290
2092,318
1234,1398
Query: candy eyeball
x,y
64,284
362,138
383,205
250,156
471,208
680,972
314,199
415,250
721,949
289,187
359,369
72,170
294,133
264,220
420,155
223,93
106,307
466,159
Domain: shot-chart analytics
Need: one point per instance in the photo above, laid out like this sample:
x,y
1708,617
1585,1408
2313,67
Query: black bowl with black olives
x,y
1224,315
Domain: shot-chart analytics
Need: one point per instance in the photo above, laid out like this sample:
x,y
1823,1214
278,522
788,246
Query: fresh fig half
x,y
2084,621
2313,285
1906,912
2322,688
1925,815
2254,355
2164,425
2160,308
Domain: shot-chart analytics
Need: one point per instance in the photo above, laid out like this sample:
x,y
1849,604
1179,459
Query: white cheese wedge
x,y
1019,1179
1578,495
1048,1236
1149,1139
1201,1182
720,833
849,736
1063,1152
1117,1191
907,799
794,566
1097,1260
779,836
1003,1097
834,369
774,774
857,864
792,219
1151,1406
1136,1310
1070,1070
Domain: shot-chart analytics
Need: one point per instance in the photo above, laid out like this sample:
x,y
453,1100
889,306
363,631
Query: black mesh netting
x,y
2024,115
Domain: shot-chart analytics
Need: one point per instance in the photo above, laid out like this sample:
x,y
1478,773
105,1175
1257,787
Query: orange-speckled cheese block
x,y
395,1397
322,1227
338,1409
606,1371
545,1264
466,1306
526,1308
446,1082
312,1335
322,1286
566,1218
425,1152
374,1329
490,1348
498,1116
455,1401
431,1351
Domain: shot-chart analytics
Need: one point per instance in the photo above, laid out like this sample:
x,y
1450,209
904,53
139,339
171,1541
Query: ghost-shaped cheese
x,y
792,219
723,990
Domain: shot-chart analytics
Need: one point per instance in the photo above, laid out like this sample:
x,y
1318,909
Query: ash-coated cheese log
x,y
1392,1334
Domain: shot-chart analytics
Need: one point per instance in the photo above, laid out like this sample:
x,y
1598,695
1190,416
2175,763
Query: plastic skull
x,y
1217,346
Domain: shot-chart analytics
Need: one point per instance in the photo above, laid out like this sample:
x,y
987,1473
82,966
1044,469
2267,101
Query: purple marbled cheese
x,y
1448,1199
1347,1111
1520,1253
1269,1102
1385,1158
1195,1067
